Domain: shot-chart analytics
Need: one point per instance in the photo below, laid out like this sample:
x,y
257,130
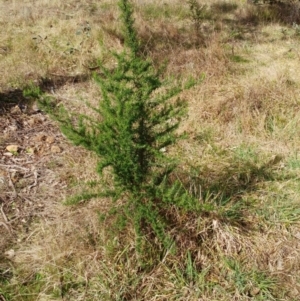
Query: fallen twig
x,y
12,186
35,173
14,166
5,226
3,214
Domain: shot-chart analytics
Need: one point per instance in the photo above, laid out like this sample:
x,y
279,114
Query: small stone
x,y
7,154
15,110
50,139
13,148
280,265
254,291
10,253
55,149
35,107
13,128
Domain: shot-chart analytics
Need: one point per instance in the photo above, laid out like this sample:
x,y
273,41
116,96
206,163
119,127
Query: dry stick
x,y
35,180
6,227
5,220
14,166
12,186
3,214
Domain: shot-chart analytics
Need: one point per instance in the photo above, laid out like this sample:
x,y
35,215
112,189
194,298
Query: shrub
x,y
138,120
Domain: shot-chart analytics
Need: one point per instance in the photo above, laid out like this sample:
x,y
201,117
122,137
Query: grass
x,y
240,158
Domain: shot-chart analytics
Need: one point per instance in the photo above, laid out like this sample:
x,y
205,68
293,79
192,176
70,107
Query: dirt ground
x,y
31,148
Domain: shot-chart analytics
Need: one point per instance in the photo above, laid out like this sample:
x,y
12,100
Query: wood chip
x,y
55,149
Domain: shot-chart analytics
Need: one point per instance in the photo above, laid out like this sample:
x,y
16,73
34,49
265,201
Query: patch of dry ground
x,y
33,171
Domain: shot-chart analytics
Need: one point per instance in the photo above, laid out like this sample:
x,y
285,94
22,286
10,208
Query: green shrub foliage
x,y
137,120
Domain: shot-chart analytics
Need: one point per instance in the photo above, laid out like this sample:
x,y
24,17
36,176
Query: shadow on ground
x,y
229,188
11,98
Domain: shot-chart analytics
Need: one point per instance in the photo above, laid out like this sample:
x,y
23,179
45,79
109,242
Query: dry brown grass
x,y
243,146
